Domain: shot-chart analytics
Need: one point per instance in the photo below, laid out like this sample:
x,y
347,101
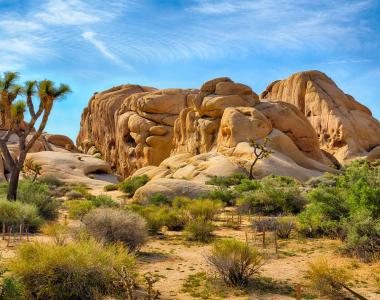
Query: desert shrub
x,y
158,216
227,181
85,270
11,288
363,236
285,225
71,195
200,230
236,262
38,194
272,196
59,232
111,225
159,199
103,200
81,189
13,213
77,209
247,185
50,180
130,185
173,219
265,224
223,194
326,279
111,187
204,208
181,202
152,215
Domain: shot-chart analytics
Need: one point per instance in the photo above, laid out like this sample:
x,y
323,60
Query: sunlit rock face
x,y
195,134
345,128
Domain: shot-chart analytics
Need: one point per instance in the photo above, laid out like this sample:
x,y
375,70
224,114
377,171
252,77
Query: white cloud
x,y
67,12
19,26
91,37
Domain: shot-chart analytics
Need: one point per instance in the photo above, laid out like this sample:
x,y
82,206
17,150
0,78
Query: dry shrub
x,y
200,229
236,262
85,270
285,226
111,225
327,279
204,208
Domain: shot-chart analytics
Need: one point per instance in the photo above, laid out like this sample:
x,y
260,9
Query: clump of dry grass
x,y
327,279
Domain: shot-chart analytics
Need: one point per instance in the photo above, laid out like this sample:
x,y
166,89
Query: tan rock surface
x,y
345,127
197,134
70,167
170,188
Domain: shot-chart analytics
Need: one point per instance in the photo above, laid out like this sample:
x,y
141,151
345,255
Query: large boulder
x,y
71,167
170,188
345,128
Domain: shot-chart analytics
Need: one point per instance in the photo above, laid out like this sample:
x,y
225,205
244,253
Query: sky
x,y
93,45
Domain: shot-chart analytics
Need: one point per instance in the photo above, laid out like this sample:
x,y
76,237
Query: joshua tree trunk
x,y
13,184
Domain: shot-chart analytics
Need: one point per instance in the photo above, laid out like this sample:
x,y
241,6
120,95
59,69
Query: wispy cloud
x,y
68,12
91,37
213,28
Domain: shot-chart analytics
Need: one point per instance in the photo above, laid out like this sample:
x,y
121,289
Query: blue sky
x,y
94,44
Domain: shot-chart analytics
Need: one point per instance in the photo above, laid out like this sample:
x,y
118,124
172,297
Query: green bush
x,y
85,270
274,195
11,288
159,199
228,180
173,219
223,194
200,230
14,213
79,191
50,180
111,187
103,201
111,225
153,216
363,236
236,262
181,202
349,210
247,185
77,209
38,194
204,208
130,185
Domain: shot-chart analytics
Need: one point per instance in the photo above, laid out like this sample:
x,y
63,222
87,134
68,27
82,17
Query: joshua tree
x,y
260,151
12,119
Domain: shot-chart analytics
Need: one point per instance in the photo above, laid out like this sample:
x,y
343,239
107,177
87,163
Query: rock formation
x,y
345,128
189,134
57,155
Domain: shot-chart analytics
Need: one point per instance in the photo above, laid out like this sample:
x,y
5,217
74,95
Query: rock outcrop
x,y
57,155
345,128
183,136
189,135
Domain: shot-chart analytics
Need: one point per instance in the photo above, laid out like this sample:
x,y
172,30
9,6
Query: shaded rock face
x,y
132,126
345,128
195,134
